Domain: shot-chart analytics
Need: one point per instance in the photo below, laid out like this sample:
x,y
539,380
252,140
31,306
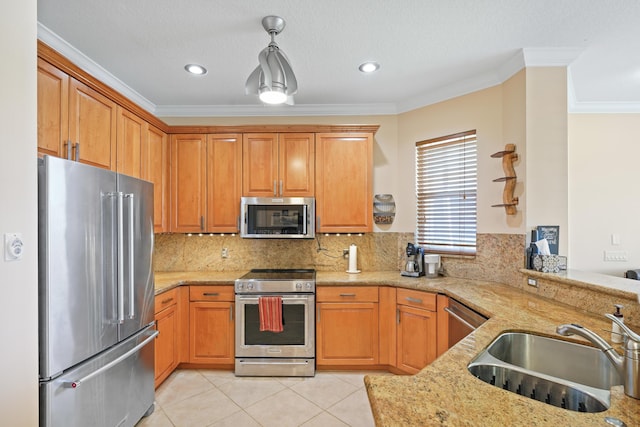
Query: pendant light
x,y
273,80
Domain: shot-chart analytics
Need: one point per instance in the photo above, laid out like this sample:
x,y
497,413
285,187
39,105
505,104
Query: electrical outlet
x,y
616,256
224,253
532,282
345,253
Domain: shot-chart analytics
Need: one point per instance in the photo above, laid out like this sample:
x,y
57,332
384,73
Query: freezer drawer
x,y
115,388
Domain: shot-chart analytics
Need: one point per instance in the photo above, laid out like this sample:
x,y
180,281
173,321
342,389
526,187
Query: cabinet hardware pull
x,y
281,187
275,187
77,151
211,294
398,316
347,295
165,301
68,144
318,316
202,222
414,300
231,313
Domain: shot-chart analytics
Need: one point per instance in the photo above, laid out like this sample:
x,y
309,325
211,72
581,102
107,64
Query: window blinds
x,y
446,185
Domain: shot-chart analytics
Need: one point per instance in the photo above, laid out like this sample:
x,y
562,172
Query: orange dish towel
x,y
270,310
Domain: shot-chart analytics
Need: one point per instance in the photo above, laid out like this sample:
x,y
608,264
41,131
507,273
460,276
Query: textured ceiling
x,y
429,50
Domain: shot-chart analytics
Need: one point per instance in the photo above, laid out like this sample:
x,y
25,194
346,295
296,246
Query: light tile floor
x,y
202,398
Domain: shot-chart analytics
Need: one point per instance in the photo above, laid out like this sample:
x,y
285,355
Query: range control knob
x,y
308,285
250,286
239,286
298,286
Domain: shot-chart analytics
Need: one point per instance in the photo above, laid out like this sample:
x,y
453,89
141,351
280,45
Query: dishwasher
x,y
462,321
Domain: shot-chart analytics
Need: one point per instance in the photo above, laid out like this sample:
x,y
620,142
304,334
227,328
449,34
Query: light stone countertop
x,y
445,393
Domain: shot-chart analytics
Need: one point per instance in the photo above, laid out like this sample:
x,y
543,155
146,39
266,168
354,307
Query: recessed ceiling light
x,y
196,69
369,67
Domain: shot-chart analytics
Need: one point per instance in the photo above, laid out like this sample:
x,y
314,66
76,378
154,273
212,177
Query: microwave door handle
x,y
304,220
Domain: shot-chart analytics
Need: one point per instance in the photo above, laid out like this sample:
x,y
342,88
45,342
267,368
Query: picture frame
x,y
552,234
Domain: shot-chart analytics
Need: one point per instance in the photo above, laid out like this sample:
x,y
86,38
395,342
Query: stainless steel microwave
x,y
278,218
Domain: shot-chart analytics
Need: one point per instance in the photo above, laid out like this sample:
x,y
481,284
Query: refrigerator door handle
x,y
120,267
132,308
77,383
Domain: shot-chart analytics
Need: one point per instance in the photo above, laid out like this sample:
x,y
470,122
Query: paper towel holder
x,y
509,201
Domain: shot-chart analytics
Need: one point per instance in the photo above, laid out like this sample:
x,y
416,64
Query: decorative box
x,y
549,263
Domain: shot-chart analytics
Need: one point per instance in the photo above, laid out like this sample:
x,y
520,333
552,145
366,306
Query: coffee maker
x,y
414,265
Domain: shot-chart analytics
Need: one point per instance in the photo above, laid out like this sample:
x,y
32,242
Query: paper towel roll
x,y
353,259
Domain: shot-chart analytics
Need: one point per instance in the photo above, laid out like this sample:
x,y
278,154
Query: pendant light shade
x,y
273,79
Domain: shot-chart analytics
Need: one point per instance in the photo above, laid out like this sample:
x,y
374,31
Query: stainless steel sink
x,y
564,374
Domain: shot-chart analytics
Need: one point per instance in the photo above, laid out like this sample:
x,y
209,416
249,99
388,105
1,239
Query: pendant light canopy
x,y
273,80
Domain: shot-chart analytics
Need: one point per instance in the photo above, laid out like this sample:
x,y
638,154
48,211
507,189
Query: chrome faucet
x,y
628,366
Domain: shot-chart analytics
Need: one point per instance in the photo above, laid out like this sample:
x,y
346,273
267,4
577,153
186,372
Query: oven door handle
x,y
244,298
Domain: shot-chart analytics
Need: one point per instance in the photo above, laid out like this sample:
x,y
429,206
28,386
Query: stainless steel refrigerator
x,y
96,296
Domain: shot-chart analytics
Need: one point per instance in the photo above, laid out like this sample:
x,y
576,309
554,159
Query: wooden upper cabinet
x,y
296,164
132,140
344,182
53,110
92,126
224,178
155,168
188,183
277,165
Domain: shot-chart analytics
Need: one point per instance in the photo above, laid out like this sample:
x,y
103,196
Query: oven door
x,y
297,340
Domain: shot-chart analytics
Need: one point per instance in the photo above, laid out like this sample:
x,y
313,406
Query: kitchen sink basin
x,y
560,373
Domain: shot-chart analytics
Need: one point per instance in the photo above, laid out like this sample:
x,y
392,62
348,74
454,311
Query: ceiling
x,y
429,50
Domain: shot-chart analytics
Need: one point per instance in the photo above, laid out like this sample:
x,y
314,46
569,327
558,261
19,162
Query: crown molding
x,y
527,57
89,66
275,110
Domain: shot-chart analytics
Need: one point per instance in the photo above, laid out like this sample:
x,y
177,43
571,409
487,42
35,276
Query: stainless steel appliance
x,y
414,265
278,218
462,321
96,296
287,353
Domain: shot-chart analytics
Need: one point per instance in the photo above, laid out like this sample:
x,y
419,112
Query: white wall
x,y
546,159
18,213
603,190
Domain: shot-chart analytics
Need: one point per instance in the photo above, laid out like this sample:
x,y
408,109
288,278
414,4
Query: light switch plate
x,y
616,256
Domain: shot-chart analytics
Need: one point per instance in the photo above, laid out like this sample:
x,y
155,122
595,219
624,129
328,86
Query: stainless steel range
x,y
290,352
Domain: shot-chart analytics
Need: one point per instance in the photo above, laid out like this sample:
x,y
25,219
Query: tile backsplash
x,y
499,256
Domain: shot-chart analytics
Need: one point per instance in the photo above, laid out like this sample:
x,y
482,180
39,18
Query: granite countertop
x,y
445,393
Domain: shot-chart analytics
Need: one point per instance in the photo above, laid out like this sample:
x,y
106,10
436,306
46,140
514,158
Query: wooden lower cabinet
x,y
347,330
211,325
416,332
168,325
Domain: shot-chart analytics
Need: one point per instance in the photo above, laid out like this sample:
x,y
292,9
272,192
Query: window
x,y
446,186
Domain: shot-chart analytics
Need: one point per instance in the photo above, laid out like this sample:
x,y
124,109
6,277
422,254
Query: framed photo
x,y
551,233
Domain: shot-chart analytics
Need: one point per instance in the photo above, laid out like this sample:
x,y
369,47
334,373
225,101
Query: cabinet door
x,y
156,169
344,168
259,164
132,139
53,110
92,125
347,334
188,183
211,337
416,334
296,164
166,348
224,182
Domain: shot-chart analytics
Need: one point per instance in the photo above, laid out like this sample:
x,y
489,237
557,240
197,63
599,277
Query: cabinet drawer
x,y
166,299
347,294
211,293
419,299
